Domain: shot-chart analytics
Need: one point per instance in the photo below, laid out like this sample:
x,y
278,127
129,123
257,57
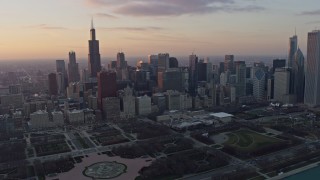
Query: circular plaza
x,y
105,170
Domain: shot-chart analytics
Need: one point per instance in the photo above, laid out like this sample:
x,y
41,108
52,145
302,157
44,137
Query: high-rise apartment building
x,y
312,86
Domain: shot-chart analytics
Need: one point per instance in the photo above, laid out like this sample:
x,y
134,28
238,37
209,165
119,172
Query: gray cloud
x,y
311,13
313,22
45,26
149,28
173,7
105,15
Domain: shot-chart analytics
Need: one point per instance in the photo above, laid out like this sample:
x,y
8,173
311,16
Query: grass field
x,y
248,141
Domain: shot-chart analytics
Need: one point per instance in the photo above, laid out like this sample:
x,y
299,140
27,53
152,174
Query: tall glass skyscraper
x,y
312,86
299,76
94,60
293,46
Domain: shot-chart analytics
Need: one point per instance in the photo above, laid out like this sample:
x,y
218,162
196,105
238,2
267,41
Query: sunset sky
x,y
46,29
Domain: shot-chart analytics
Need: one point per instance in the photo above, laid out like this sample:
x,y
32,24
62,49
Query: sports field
x,y
249,141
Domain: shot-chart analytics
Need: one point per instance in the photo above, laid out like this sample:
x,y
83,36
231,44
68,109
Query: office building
x,y
39,120
312,83
299,76
163,62
127,103
61,83
53,84
75,116
121,62
143,105
107,86
73,68
60,66
204,71
111,109
278,63
229,63
173,100
282,86
193,74
293,46
170,80
240,84
173,62
259,79
94,60
153,64
15,89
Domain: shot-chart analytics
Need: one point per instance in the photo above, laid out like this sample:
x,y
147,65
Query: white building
x,y
93,102
111,108
57,118
75,116
40,119
12,100
128,109
143,105
173,100
221,116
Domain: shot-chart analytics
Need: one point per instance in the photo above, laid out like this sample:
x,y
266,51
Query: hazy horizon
x,y
138,28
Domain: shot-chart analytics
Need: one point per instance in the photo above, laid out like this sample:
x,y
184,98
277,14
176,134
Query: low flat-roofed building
x,y
224,117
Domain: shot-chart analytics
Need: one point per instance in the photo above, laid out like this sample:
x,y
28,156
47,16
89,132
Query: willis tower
x,y
94,61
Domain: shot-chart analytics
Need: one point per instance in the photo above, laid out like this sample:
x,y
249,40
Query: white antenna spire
x,y
92,26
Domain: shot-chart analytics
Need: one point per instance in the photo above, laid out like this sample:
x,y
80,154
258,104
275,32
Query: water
x,y
310,174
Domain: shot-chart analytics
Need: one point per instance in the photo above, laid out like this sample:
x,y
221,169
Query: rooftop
x,y
221,115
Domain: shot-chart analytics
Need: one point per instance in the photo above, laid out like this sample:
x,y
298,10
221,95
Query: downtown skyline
x,y
139,28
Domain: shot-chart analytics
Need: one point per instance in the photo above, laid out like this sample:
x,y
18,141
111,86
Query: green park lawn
x,y
248,141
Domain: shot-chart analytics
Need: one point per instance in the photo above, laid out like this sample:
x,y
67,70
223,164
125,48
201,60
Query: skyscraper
x,y
193,74
293,45
240,68
259,79
73,68
53,84
62,76
107,85
60,66
121,62
94,61
173,62
312,86
228,63
299,75
282,84
278,63
163,62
